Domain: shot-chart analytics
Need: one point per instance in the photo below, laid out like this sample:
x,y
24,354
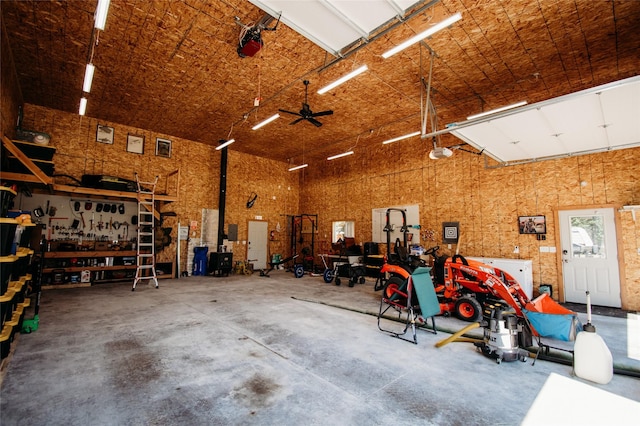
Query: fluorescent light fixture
x,y
344,154
88,78
497,110
342,79
301,166
101,14
225,144
265,122
416,38
399,138
83,106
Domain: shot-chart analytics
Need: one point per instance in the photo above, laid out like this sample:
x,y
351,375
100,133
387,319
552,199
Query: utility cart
x,y
337,267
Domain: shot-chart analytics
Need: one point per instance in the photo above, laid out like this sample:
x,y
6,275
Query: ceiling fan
x,y
306,113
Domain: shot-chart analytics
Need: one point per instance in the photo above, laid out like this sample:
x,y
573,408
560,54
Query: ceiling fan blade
x,y
321,113
314,121
296,121
288,112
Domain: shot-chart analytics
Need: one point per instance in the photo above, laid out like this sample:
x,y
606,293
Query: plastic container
x,y
6,199
25,236
7,235
200,260
21,267
6,305
592,358
6,337
6,268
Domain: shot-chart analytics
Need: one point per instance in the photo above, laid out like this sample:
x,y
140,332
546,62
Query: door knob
x,y
565,252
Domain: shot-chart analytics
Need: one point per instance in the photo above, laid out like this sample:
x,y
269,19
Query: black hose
x,y
546,357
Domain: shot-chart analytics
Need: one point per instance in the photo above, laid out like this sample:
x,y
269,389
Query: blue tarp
x,y
556,326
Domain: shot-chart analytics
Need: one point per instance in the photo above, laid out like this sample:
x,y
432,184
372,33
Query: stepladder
x,y
145,244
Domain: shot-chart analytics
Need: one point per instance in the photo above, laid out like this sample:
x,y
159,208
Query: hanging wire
x,y
230,130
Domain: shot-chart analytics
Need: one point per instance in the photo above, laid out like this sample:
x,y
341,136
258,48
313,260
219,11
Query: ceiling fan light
x,y
429,32
344,154
343,79
265,122
301,166
399,138
440,152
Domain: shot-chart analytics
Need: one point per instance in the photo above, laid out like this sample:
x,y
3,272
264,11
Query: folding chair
x,y
547,319
414,300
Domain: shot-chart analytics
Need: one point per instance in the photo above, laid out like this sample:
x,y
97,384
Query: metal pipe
x,y
222,197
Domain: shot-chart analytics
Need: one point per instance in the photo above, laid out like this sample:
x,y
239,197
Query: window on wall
x,y
343,229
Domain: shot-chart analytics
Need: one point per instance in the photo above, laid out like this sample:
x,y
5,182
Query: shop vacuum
x,y
501,334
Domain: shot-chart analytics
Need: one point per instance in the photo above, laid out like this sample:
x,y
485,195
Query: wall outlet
x,y
516,249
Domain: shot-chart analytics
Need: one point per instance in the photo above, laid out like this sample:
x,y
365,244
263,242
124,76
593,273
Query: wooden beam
x,y
43,178
20,177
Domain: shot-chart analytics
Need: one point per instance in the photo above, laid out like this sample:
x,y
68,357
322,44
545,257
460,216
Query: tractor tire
x,y
298,271
394,283
468,309
338,281
327,276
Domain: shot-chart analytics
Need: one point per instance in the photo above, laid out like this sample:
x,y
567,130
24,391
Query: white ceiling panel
x,y
335,24
599,119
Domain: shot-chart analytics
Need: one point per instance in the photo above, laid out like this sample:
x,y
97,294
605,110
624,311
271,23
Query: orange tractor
x,y
462,286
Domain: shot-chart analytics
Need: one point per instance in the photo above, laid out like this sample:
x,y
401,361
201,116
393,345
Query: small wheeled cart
x,y
341,268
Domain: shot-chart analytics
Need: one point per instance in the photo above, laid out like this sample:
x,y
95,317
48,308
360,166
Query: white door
x,y
590,256
257,244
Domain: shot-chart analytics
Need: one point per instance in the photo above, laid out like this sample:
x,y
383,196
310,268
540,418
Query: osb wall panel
x,y
9,87
485,200
278,196
78,153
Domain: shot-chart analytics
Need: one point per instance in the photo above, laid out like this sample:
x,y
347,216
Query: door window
x,y
587,236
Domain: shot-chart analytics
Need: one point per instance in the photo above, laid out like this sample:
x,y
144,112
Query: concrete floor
x,y
255,350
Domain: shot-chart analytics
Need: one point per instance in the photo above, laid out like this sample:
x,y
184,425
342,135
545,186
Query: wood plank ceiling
x,y
172,67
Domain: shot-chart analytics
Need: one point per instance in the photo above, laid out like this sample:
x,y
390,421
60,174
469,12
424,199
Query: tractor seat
x,y
402,253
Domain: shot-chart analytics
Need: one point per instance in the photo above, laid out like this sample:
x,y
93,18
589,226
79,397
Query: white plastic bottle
x,y
592,358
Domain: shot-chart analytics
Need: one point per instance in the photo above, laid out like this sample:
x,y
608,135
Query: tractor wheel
x,y
389,289
298,271
338,281
362,280
328,275
468,309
